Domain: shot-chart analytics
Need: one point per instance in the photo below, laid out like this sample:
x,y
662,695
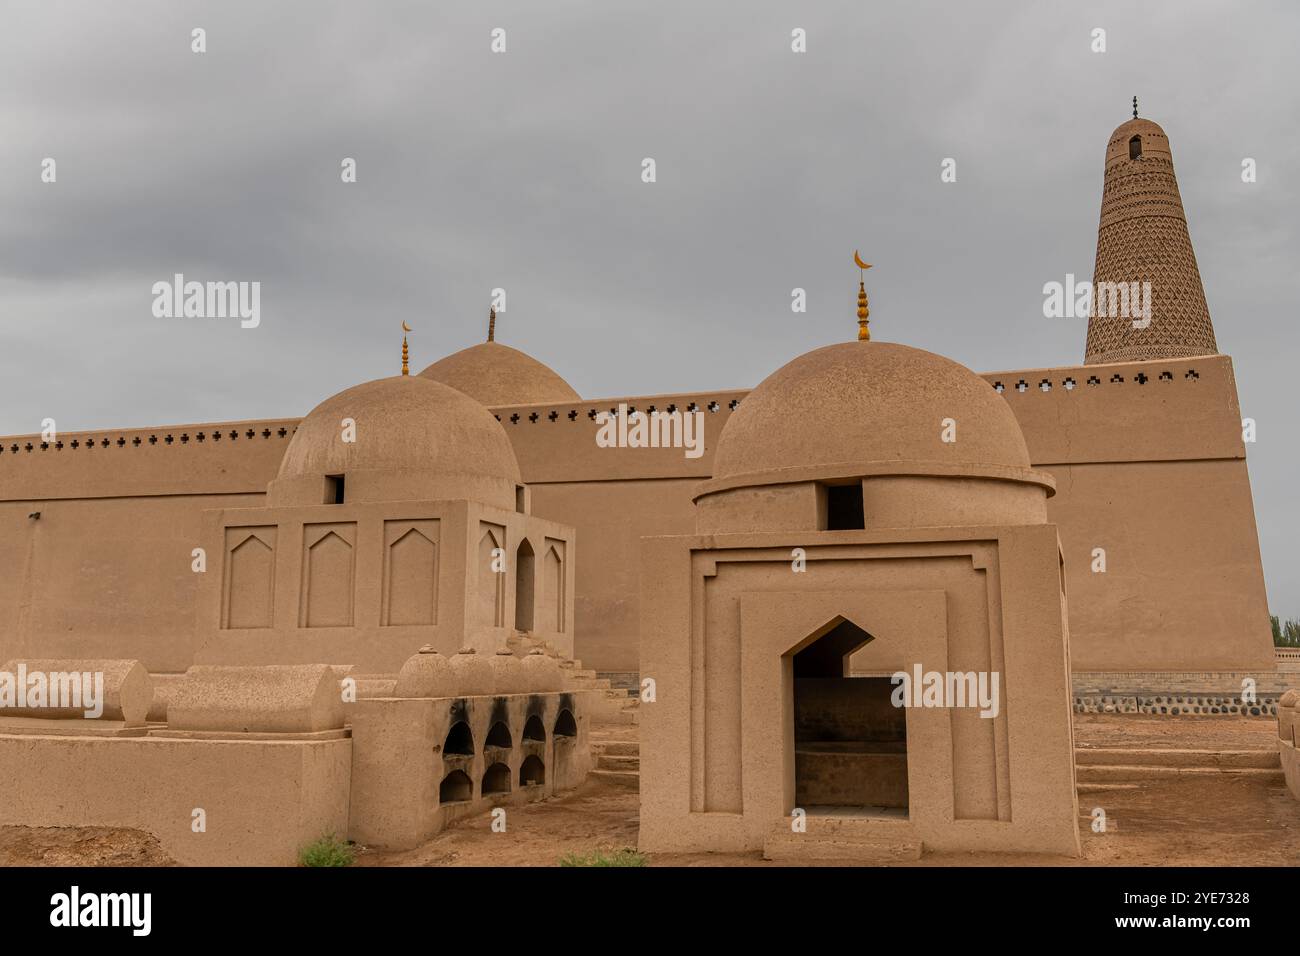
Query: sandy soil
x,y
596,815
1182,733
1193,821
80,846
1190,822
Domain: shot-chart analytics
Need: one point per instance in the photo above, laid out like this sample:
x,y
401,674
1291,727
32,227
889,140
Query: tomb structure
x,y
907,532
398,518
1289,739
247,765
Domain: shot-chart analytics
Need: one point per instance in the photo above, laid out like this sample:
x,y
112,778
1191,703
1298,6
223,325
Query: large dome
x,y
415,439
864,408
496,375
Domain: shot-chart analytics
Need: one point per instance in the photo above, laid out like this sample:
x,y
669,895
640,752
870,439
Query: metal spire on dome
x,y
1135,107
864,333
406,353
492,324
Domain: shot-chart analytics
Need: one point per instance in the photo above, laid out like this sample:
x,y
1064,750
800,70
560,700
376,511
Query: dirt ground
x,y
79,846
1233,821
1181,733
595,815
1192,821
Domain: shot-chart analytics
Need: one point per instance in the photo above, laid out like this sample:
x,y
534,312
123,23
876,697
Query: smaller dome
x,y
414,439
473,673
495,375
426,674
507,677
927,442
541,672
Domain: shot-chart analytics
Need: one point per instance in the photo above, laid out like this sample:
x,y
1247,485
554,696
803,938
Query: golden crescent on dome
x,y
405,327
858,260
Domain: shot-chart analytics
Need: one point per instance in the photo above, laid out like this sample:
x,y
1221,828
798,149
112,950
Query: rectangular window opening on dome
x,y
844,511
334,489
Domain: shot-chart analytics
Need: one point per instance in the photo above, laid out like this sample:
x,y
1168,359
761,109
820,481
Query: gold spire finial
x,y
406,352
864,333
492,324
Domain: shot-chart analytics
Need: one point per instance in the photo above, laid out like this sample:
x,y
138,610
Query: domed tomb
x,y
927,440
411,439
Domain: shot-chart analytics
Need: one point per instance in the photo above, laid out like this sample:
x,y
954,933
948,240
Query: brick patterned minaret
x,y
1143,238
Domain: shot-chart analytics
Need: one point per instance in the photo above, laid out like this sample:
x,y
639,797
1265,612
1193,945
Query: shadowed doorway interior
x,y
850,742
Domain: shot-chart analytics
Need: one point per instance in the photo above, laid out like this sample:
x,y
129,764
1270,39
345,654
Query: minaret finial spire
x,y
406,352
1135,107
492,324
864,332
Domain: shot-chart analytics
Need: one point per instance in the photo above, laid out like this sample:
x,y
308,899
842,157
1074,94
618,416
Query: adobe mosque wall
x,y
1150,467
105,571
1143,441
1148,458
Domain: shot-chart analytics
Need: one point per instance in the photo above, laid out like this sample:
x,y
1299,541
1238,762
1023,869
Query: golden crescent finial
x,y
406,353
864,333
405,327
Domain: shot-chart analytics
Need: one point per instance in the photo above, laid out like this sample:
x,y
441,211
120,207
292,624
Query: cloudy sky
x,y
522,170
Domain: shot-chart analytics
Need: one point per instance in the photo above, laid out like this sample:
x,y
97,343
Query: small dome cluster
x,y
428,436
468,674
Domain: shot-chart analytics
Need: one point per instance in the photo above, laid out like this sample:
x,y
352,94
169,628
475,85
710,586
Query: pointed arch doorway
x,y
850,741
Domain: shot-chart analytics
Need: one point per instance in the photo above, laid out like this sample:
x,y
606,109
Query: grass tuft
x,y
329,850
622,857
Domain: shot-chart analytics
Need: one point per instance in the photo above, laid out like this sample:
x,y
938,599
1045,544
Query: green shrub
x,y
329,850
622,857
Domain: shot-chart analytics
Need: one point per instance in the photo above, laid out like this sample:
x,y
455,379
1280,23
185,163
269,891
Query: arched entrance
x,y
524,577
850,741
